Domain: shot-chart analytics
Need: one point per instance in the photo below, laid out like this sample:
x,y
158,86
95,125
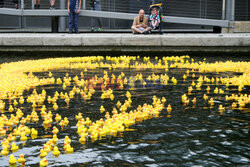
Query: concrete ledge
x,y
181,41
124,41
22,41
101,41
141,40
62,41
123,50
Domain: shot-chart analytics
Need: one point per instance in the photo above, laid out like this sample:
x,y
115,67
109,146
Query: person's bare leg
x,y
134,29
147,29
153,23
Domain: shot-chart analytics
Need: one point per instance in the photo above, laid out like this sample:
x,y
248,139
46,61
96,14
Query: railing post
x,y
62,22
32,4
230,10
233,11
233,14
22,8
83,4
22,4
223,9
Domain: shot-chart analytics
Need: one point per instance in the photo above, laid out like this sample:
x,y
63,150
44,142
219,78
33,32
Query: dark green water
x,y
189,136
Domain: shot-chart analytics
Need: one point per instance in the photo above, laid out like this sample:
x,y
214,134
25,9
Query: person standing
x,y
16,3
96,5
140,24
74,7
37,4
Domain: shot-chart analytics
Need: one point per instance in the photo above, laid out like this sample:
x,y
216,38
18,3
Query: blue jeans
x,y
73,22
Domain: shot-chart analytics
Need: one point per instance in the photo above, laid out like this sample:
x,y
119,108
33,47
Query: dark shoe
x,y
76,32
92,29
145,32
38,6
70,32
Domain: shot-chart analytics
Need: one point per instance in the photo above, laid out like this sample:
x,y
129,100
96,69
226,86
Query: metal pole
x,y
62,22
233,14
83,4
223,9
22,8
233,10
32,4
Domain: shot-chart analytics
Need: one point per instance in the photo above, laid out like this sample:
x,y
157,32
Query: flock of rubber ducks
x,y
14,121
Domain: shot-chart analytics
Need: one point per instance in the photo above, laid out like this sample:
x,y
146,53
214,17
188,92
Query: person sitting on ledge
x,y
140,24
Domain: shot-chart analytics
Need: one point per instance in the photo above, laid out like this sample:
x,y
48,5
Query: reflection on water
x,y
191,134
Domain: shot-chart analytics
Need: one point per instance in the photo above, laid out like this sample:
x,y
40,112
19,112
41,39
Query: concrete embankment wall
x,y
112,42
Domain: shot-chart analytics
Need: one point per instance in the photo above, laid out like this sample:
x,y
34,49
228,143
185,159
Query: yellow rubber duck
x,y
169,108
194,100
34,132
15,103
55,106
58,117
221,108
66,121
21,100
205,97
12,159
69,149
234,105
5,151
21,159
14,147
88,121
67,140
43,162
23,137
67,100
82,139
56,151
118,104
190,89
55,139
11,137
59,81
102,109
79,116
211,101
184,77
11,109
43,153
216,90
50,74
55,130
163,100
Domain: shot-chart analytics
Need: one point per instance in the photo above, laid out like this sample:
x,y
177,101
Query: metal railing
x,y
197,12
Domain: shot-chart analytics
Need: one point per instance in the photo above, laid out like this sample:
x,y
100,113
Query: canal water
x,y
191,135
